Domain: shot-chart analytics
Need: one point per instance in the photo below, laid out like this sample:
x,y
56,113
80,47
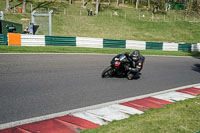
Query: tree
x,y
117,3
83,3
24,6
97,7
70,2
137,4
149,4
198,6
158,5
7,5
189,6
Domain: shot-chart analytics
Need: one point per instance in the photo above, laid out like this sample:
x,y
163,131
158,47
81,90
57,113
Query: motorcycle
x,y
118,66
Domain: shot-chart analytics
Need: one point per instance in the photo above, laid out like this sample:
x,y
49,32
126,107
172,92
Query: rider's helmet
x,y
135,55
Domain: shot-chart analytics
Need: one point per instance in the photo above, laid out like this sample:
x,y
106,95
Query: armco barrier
x,y
60,40
40,40
140,45
14,39
196,47
170,46
110,43
89,42
32,40
184,47
154,45
3,40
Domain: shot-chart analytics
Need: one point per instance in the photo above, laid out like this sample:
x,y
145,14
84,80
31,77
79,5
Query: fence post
x,y
50,23
164,18
1,15
152,17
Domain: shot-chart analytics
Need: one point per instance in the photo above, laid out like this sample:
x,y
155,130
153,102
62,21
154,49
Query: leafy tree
x,y
189,6
70,1
117,3
137,4
83,3
7,5
198,6
24,6
158,5
97,7
149,4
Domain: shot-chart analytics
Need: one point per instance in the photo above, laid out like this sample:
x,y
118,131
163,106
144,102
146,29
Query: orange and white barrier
x,y
32,40
16,39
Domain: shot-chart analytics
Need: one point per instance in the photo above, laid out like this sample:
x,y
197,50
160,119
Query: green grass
x,y
67,21
180,117
71,49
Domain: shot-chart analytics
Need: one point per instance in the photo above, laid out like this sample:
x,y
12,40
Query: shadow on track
x,y
196,55
196,67
136,77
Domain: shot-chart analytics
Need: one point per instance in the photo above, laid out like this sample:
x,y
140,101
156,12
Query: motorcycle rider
x,y
137,61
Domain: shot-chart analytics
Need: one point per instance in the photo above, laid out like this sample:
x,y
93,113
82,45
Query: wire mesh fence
x,y
42,24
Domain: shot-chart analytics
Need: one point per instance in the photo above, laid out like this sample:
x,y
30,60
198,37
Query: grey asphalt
x,y
34,85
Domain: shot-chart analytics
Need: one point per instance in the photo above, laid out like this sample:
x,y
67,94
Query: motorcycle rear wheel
x,y
107,72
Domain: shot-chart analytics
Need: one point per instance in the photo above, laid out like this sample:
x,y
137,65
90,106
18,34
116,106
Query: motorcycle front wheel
x,y
107,72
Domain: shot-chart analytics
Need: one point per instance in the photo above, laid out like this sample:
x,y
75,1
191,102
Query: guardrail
x,y
89,42
3,40
41,40
25,40
196,47
60,41
32,40
140,45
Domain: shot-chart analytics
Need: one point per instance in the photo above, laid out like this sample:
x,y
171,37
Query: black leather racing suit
x,y
136,65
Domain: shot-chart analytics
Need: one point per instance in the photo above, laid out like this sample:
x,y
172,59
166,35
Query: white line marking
x,y
46,117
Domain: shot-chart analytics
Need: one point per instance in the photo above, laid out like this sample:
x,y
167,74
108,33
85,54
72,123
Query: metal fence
x,y
41,40
3,40
89,42
32,40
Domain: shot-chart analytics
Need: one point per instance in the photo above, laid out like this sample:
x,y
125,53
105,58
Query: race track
x,y
33,85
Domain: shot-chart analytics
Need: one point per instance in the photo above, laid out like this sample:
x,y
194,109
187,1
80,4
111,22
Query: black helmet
x,y
135,55
136,52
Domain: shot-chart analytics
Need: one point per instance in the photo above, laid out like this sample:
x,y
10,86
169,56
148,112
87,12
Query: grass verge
x,y
71,49
180,117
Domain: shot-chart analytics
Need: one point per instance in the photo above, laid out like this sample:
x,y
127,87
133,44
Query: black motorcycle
x,y
118,66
